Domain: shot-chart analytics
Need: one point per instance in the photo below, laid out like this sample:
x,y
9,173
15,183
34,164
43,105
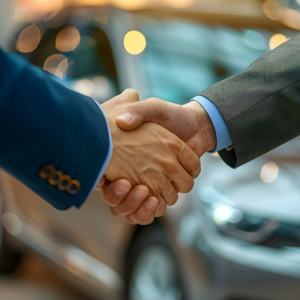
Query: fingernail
x,y
150,205
98,188
120,190
126,117
139,195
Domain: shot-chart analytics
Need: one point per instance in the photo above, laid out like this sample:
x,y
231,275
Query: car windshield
x,y
184,58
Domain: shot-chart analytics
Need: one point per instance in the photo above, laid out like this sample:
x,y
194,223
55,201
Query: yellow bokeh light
x,y
134,42
67,39
269,172
276,40
29,39
179,4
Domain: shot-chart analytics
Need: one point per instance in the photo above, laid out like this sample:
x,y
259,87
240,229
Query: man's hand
x,y
189,122
150,156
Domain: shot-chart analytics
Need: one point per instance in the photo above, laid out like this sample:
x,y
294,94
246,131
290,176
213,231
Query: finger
x,y
100,184
128,219
183,182
130,95
188,159
137,113
145,214
169,194
127,97
132,202
115,192
161,208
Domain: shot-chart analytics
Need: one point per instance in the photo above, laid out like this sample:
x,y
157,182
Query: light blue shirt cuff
x,y
109,152
222,133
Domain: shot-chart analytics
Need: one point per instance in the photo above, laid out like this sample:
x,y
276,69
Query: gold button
x,y
73,187
46,171
54,177
63,182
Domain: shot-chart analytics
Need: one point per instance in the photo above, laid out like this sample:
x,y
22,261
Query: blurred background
x,y
236,236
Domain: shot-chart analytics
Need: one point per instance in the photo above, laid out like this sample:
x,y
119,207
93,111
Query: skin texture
x,y
154,161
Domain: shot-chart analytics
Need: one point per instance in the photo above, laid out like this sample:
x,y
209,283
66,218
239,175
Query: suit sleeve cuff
x,y
222,133
109,153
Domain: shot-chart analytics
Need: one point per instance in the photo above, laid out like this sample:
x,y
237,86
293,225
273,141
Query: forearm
x,y
261,105
42,123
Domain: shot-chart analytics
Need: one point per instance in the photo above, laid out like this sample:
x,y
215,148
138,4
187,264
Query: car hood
x,y
245,189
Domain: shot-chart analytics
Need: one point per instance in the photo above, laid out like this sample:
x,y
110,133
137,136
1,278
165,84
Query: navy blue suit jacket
x,y
44,123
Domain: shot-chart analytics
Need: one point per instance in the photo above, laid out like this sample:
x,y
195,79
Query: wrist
x,y
205,128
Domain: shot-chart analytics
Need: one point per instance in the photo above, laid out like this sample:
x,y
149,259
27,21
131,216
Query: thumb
x,y
137,113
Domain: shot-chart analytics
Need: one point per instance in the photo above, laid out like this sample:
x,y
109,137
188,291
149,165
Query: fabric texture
x,y
261,105
42,122
222,133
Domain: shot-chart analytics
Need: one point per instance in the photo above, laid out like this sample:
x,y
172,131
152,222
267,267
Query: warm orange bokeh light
x,y
276,40
179,4
67,39
41,6
290,18
129,4
272,9
56,64
29,39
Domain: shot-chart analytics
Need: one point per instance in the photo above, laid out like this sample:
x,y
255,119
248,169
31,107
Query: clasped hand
x,y
151,158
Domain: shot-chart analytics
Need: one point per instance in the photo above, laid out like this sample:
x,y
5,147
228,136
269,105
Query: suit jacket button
x,y
73,187
63,182
46,171
54,177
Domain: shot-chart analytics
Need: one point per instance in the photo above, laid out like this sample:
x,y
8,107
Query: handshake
x,y
156,154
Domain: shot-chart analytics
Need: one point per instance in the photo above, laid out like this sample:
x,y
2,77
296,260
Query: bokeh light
x,y
85,87
272,9
56,64
134,42
290,18
269,172
129,4
101,85
29,39
276,40
67,39
179,4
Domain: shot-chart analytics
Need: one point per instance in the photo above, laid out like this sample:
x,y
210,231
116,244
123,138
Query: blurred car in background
x,y
236,236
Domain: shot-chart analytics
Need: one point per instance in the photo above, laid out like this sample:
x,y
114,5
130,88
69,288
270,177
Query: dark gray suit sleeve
x,y
261,106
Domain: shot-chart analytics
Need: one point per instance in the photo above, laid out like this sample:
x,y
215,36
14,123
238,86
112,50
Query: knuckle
x,y
172,201
113,212
148,222
195,165
171,166
176,144
161,212
187,186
